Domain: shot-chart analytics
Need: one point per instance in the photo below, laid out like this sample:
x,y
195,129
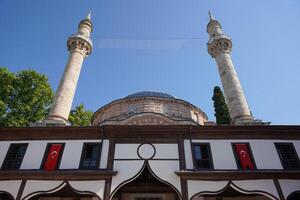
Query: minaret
x,y
219,47
79,47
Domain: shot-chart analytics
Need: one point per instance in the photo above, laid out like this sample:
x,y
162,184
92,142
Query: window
x,y
131,109
243,156
202,156
14,156
90,157
166,109
288,156
147,196
52,156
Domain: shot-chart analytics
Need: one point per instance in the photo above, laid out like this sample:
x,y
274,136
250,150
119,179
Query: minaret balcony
x,y
216,37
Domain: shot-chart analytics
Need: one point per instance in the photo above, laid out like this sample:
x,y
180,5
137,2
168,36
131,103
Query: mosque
x,y
150,145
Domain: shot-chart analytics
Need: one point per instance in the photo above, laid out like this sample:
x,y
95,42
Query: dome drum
x,y
156,105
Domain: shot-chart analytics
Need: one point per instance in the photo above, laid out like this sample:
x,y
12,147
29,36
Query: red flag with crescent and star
x,y
244,156
52,158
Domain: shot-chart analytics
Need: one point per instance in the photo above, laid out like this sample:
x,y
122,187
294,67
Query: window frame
x,y
131,109
81,167
210,158
8,152
47,152
294,151
134,196
236,157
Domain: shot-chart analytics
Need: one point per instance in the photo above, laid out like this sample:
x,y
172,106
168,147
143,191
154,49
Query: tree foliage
x,y
221,109
24,97
80,117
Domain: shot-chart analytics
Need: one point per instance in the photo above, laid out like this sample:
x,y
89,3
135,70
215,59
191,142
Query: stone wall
x,y
174,109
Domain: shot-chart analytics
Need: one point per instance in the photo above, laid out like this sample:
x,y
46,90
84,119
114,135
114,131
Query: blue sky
x,y
161,46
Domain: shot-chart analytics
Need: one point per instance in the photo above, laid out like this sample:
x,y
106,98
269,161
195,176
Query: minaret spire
x,y
211,17
219,47
89,16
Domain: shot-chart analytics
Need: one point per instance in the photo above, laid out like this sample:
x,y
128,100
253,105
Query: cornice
x,y
238,175
161,132
69,175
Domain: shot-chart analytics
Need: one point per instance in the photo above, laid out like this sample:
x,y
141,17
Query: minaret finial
x,y
89,16
211,17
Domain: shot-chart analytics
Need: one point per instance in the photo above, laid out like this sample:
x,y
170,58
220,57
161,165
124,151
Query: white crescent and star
x,y
53,154
243,153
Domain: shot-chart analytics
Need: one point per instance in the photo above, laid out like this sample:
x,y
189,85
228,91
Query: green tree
x,y
80,117
221,110
24,97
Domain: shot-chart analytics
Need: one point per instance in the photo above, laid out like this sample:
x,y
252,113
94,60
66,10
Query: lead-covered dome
x,y
150,94
149,108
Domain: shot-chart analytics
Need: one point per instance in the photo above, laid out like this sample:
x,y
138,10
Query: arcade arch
x,y
146,186
232,192
65,193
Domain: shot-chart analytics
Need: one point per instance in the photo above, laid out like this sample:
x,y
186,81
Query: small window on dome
x,y
166,109
131,109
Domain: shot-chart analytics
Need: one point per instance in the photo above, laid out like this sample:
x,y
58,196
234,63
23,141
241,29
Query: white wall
x,y
71,155
97,187
222,153
263,187
33,188
34,155
164,170
264,153
42,186
166,151
12,187
36,150
195,186
104,154
188,154
126,151
297,147
126,171
266,186
219,149
289,186
3,151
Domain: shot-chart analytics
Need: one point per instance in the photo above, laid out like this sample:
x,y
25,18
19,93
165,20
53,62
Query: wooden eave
x,y
161,132
238,175
70,175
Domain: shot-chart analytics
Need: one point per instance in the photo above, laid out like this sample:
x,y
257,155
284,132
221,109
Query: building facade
x,y
150,145
150,162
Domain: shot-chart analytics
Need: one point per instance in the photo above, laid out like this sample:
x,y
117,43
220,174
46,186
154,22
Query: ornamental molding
x,y
80,44
216,46
147,119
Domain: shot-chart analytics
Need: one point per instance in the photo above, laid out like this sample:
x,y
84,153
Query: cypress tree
x,y
221,110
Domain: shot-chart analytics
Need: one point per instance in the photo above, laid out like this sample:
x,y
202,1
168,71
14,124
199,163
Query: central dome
x,y
150,94
149,108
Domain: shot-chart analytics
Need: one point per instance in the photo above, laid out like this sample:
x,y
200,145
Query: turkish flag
x,y
244,156
52,158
